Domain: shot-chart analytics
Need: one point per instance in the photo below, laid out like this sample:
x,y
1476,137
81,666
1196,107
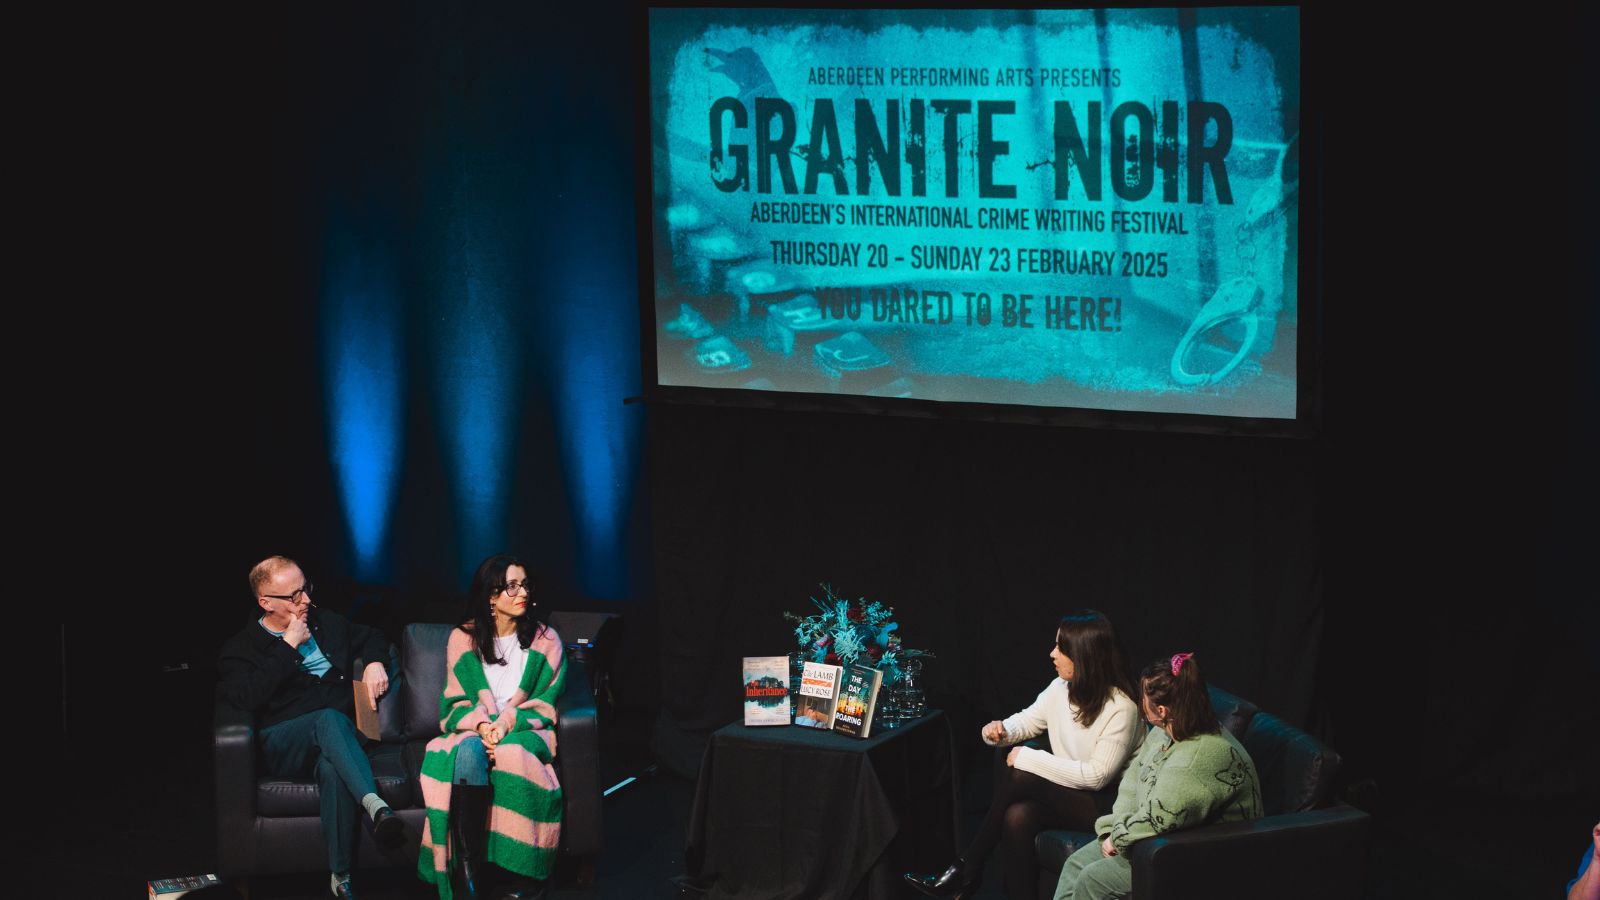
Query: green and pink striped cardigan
x,y
525,820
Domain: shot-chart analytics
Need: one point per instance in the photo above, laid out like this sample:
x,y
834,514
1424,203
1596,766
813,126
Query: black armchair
x,y
1319,853
268,826
1301,848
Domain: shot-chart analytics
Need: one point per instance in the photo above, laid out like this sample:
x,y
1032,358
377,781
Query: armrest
x,y
1315,854
578,752
233,748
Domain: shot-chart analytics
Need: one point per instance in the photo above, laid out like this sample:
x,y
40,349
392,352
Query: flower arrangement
x,y
852,632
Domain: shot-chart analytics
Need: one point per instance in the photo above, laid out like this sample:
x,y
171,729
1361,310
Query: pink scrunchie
x,y
1177,662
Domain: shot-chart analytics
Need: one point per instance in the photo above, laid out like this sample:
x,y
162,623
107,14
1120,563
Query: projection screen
x,y
1094,209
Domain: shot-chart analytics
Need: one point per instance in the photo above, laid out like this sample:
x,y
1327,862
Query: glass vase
x,y
913,702
797,667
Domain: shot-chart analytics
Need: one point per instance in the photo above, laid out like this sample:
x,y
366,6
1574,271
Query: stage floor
x,y
110,838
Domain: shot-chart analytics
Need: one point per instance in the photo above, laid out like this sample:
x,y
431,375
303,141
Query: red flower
x,y
856,614
833,659
875,652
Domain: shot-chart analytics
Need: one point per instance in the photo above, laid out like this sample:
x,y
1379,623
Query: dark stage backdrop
x,y
437,321
1414,584
405,322
981,536
1411,584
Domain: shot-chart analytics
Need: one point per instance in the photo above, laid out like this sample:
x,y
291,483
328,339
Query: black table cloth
x,y
791,813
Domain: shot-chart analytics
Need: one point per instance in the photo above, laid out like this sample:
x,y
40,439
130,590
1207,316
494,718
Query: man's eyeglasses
x,y
294,597
515,587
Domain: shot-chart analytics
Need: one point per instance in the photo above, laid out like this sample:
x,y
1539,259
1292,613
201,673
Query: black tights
x,y
1024,805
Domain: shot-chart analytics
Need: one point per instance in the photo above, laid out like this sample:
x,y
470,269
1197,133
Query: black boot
x,y
955,882
469,828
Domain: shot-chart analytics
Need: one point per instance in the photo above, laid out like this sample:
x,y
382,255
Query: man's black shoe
x,y
950,884
387,829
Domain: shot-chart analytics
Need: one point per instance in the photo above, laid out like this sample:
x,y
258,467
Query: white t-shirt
x,y
503,680
1085,758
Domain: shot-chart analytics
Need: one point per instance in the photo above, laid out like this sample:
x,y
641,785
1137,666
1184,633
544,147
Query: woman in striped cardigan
x,y
489,781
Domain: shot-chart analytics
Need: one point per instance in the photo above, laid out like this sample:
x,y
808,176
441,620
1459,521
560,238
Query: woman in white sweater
x,y
1093,726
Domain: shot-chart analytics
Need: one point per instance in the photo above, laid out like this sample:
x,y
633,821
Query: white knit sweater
x,y
1087,758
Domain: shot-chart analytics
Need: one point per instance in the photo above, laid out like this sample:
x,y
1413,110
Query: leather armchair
x,y
268,826
1319,854
1303,847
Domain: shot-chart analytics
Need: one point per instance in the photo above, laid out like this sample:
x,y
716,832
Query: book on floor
x,y
858,700
766,690
819,691
169,888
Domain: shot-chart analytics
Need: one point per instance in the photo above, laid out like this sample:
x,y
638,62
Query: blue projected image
x,y
1085,208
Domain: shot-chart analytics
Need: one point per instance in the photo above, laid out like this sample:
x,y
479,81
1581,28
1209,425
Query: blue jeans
x,y
325,744
472,761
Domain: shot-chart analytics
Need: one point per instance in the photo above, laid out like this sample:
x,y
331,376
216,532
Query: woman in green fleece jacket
x,y
1189,772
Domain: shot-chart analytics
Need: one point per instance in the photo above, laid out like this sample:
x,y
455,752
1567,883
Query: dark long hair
x,y
478,618
1188,703
1087,638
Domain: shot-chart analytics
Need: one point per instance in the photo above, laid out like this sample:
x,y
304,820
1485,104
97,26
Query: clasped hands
x,y
492,733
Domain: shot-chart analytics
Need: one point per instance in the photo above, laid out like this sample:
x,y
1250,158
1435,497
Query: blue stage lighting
x,y
479,357
362,382
597,367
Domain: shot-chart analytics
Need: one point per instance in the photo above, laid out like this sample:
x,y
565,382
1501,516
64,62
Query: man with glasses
x,y
291,668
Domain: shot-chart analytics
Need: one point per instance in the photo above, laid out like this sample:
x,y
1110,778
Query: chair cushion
x,y
1233,712
278,798
1296,769
423,646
